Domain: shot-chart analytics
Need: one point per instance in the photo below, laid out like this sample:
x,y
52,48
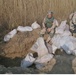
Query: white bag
x,y
28,61
70,44
56,40
67,33
41,62
40,47
59,31
55,22
63,26
35,25
24,29
10,35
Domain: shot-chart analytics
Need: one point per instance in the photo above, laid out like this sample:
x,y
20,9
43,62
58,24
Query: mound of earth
x,y
20,44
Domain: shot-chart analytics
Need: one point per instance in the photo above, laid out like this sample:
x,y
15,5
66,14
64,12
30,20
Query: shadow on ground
x,y
8,62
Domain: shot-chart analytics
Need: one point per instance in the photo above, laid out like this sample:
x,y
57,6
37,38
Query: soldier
x,y
49,24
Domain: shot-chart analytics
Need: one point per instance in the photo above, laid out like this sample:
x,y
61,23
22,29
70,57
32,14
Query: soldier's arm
x,y
43,24
55,23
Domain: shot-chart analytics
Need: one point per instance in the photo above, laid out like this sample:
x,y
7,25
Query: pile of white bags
x,y
43,55
10,35
24,29
64,39
68,43
28,61
14,31
40,47
35,25
63,29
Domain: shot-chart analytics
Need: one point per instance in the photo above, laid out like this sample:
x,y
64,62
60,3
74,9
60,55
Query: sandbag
x,y
35,25
63,27
10,35
42,61
56,40
70,44
24,29
40,47
27,61
67,33
55,22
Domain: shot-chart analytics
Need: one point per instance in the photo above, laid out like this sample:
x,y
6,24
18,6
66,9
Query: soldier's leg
x,y
42,32
51,34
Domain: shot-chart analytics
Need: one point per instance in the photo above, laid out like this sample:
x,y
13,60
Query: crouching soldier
x,y
49,24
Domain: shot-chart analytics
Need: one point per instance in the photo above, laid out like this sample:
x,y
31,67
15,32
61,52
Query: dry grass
x,y
24,12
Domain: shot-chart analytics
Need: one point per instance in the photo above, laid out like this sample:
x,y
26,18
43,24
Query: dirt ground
x,y
60,64
15,50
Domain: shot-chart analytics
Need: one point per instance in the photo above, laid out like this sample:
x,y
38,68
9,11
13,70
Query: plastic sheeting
x,y
10,35
24,29
35,25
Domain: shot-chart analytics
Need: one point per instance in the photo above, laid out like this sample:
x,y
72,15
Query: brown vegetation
x,y
24,12
20,45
